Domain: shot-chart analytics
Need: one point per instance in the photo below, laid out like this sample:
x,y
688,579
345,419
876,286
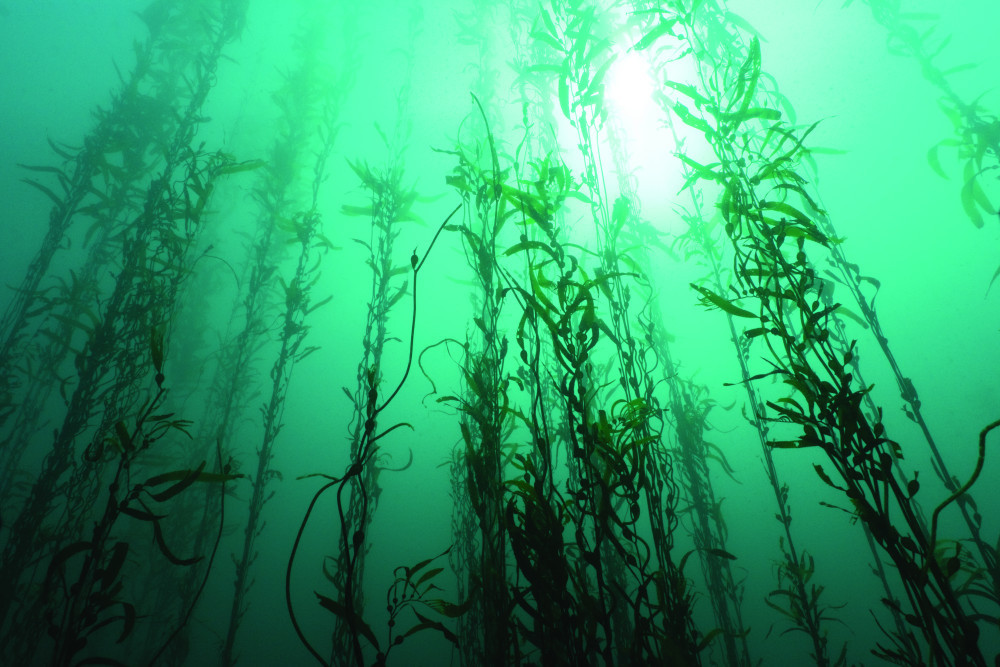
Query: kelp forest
x,y
499,332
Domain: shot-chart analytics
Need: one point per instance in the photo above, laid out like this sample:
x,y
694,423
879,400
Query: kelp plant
x,y
62,542
798,597
584,498
406,591
765,207
580,57
287,197
391,204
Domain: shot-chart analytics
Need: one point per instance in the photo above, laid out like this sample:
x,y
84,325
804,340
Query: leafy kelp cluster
x,y
291,377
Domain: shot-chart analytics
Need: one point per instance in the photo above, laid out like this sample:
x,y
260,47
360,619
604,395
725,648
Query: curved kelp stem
x,y
351,543
980,460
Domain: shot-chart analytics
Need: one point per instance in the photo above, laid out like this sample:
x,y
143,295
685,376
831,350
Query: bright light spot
x,y
629,89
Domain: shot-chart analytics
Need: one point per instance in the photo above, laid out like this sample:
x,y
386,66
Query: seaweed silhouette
x,y
148,351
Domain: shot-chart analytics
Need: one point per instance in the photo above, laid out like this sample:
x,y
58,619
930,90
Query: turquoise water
x,y
221,211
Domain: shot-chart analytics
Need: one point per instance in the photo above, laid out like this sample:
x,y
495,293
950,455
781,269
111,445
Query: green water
x,y
302,294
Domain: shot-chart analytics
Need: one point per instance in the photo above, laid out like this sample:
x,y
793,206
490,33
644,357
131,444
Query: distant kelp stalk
x,y
309,101
66,562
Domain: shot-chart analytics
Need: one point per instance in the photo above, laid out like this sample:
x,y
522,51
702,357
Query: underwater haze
x,y
489,332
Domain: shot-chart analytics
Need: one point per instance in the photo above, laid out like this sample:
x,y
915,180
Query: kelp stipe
x,y
391,204
484,420
110,372
977,142
287,198
797,596
686,406
595,499
80,178
102,183
982,576
563,587
597,461
78,609
558,593
130,334
359,629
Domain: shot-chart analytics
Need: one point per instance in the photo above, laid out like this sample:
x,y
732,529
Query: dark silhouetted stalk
x,y
485,424
145,216
391,205
412,591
